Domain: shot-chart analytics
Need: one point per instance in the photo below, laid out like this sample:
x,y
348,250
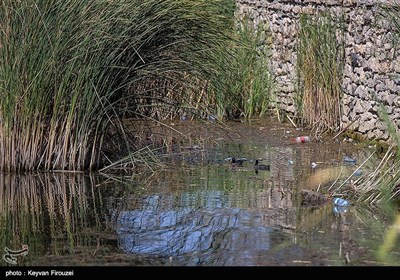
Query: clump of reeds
x,y
247,80
375,186
319,65
67,66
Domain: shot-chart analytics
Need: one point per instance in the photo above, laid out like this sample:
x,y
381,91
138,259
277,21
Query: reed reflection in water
x,y
54,214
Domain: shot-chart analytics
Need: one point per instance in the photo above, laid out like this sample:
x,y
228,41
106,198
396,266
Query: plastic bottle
x,y
302,139
340,202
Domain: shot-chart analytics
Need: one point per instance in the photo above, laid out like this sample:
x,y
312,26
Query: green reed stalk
x,y
246,83
320,66
65,66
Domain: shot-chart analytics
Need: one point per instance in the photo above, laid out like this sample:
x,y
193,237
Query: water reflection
x,y
193,214
223,216
219,233
221,236
50,213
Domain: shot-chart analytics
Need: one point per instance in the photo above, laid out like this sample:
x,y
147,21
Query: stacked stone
x,y
371,75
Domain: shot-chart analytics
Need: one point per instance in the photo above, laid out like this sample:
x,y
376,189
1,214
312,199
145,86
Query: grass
x,y
320,66
248,80
67,67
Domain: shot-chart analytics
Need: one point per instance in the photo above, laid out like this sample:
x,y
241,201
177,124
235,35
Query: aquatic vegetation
x,y
67,68
248,81
319,68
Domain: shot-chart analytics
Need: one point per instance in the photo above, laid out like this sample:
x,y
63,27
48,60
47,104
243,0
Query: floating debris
x,y
340,209
312,198
349,160
340,202
302,139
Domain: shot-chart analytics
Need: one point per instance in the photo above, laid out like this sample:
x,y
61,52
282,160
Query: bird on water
x,y
236,162
258,166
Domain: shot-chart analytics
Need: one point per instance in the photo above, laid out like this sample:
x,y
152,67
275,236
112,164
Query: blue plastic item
x,y
340,202
340,209
349,160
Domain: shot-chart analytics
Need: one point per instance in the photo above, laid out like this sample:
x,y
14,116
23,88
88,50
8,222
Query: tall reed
x,y
66,66
245,85
320,65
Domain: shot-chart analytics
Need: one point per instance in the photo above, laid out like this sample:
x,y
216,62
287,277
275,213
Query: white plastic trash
x,y
340,202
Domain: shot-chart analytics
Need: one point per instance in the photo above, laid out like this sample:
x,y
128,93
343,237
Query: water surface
x,y
198,210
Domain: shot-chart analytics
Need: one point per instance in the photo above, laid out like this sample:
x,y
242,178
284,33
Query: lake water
x,y
199,210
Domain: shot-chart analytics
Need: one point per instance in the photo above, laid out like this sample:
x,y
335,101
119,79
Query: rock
x,y
358,108
381,125
366,126
361,92
366,117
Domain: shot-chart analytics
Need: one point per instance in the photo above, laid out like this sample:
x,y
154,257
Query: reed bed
x,y
320,65
252,82
66,67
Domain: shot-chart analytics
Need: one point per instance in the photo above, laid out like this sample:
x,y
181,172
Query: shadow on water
x,y
194,214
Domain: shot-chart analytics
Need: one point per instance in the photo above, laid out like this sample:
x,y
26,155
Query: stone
x,y
360,92
379,86
348,70
381,125
369,49
366,116
370,83
387,46
373,64
296,9
396,100
390,99
291,109
358,108
360,48
346,110
367,126
384,67
372,134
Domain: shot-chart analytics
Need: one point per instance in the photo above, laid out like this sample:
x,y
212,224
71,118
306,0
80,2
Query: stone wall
x,y
372,65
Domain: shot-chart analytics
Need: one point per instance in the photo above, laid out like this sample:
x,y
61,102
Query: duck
x,y
236,162
258,166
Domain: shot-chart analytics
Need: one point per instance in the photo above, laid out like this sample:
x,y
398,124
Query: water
x,y
198,211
